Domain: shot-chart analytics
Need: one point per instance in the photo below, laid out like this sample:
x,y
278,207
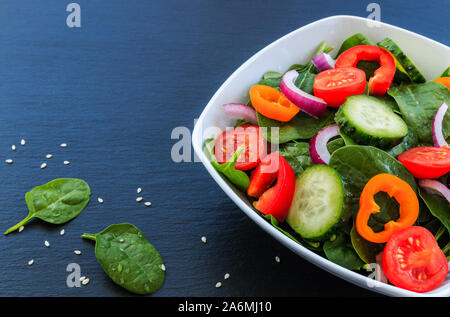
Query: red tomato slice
x,y
248,136
335,85
277,199
413,260
426,161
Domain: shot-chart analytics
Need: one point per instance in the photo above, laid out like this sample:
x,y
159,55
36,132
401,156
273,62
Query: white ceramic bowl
x,y
430,56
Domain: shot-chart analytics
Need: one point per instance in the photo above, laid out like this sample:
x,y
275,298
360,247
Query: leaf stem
x,y
89,236
17,226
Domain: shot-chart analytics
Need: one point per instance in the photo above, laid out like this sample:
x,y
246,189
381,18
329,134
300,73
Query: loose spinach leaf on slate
x,y
128,258
356,165
237,177
56,202
438,206
418,104
340,251
302,126
297,155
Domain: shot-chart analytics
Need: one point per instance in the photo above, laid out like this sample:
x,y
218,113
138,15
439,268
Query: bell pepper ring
x,y
394,187
382,77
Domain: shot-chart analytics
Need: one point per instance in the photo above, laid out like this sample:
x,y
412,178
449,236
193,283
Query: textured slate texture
x,y
113,90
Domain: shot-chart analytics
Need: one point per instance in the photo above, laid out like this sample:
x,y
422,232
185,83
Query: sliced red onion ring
x,y
240,111
323,61
318,147
435,187
438,136
307,103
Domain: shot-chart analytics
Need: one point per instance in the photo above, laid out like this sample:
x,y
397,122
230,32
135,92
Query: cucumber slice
x,y
317,204
408,67
369,121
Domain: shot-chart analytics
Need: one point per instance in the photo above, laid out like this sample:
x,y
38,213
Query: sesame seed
x,y
163,267
277,258
62,232
218,284
49,156
204,239
148,204
22,142
100,200
47,244
227,276
85,281
43,165
139,190
13,147
77,252
21,228
30,262
63,145
82,278
139,199
66,162
9,161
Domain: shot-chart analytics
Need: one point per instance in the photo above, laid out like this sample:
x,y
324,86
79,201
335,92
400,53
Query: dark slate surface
x,y
113,90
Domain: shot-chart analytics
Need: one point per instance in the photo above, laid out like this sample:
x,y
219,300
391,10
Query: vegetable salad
x,y
348,156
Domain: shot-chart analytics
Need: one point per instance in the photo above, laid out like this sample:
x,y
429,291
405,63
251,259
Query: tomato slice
x,y
277,199
335,85
247,136
413,260
426,161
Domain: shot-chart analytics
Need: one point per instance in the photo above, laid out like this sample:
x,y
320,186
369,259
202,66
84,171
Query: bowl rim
x,y
312,257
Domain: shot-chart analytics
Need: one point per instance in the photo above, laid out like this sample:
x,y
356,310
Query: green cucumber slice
x,y
318,202
369,121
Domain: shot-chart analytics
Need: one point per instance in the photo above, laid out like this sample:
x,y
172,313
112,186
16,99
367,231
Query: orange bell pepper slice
x,y
271,103
444,81
394,187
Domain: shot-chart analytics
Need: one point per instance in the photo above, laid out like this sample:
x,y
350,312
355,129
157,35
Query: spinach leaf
x,y
418,104
446,73
346,138
128,258
302,126
354,40
333,145
366,250
356,165
272,79
340,251
408,142
56,202
238,178
438,206
297,155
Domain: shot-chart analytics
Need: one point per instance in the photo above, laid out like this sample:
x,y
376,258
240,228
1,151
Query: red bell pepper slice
x,y
277,199
382,77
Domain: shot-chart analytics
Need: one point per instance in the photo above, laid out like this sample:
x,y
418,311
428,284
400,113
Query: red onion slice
x,y
438,136
318,150
240,111
307,103
323,61
435,187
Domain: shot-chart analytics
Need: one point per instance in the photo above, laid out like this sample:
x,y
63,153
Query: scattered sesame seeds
x,y
77,252
147,203
204,239
62,232
277,259
100,200
85,281
227,276
21,228
82,278
31,262
139,199
43,165
13,147
9,161
63,145
139,190
49,156
163,267
22,142
66,162
47,244
218,284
